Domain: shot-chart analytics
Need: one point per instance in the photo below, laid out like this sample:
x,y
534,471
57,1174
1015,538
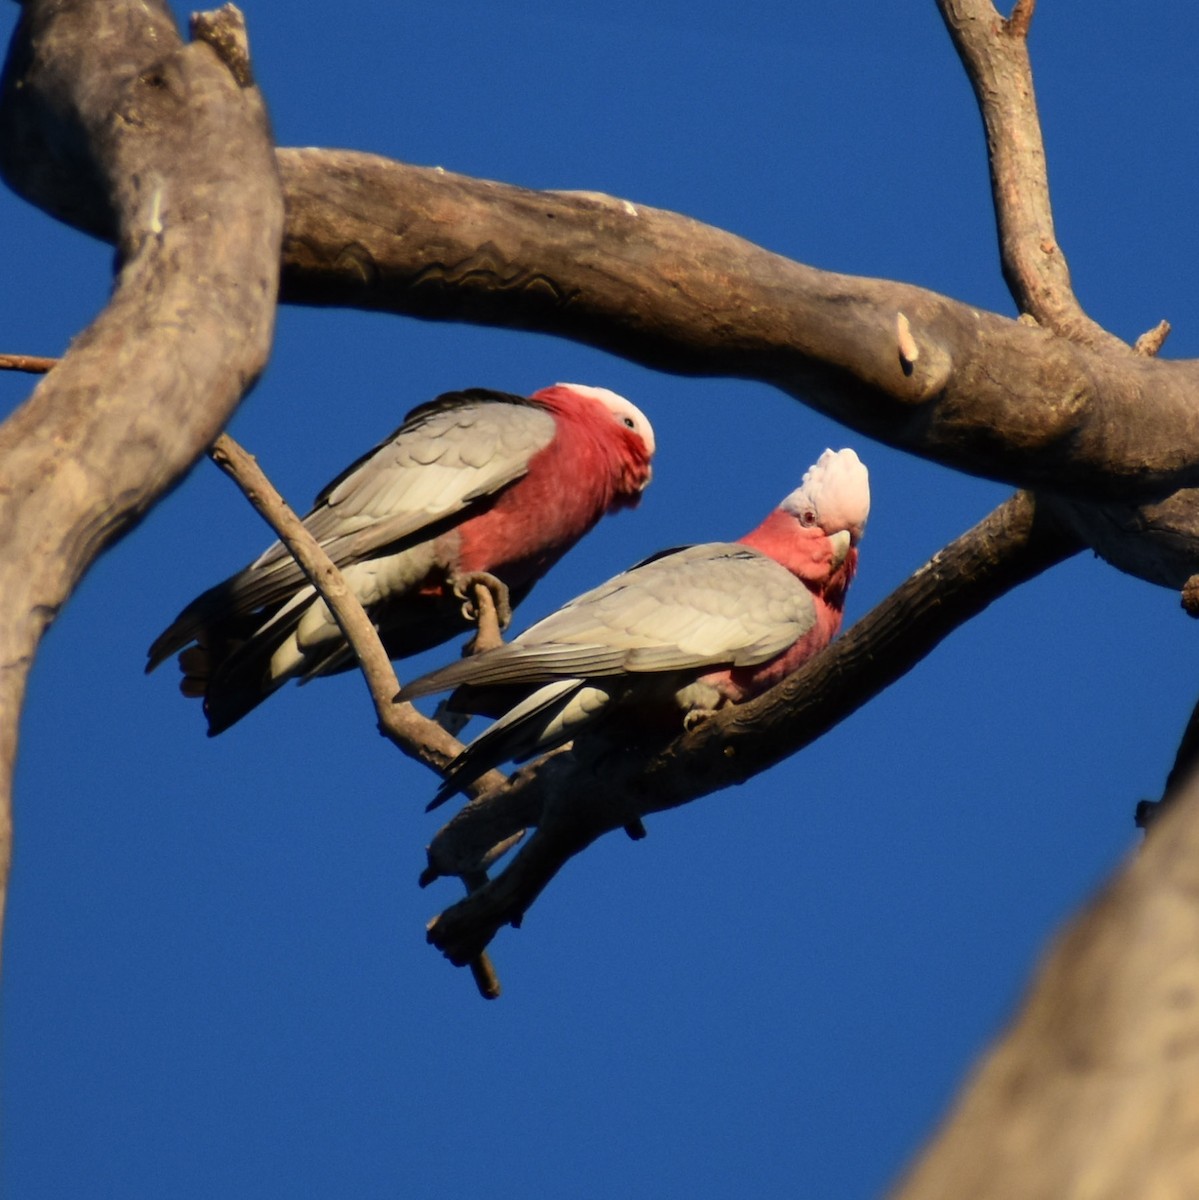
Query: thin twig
x,y
416,735
32,363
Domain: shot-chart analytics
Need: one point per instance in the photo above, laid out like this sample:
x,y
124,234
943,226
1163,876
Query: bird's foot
x,y
485,602
697,716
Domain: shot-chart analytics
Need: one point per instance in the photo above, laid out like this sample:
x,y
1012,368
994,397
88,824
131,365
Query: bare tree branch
x,y
573,800
985,394
103,109
414,734
1095,1079
994,53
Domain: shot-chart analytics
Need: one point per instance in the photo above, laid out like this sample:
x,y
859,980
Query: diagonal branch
x,y
101,100
575,800
994,53
413,733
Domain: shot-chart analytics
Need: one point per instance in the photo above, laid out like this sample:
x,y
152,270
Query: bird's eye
x,y
629,423
807,518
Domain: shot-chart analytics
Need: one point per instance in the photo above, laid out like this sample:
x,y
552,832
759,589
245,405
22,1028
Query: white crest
x,y
834,494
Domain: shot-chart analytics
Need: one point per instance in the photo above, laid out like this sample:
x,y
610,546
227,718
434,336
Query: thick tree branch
x,y
985,394
573,800
101,101
1095,1080
994,53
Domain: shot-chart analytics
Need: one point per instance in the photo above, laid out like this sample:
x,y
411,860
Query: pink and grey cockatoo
x,y
674,638
476,485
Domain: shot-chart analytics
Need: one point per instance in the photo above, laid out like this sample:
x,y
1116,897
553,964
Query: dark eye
x,y
629,423
807,518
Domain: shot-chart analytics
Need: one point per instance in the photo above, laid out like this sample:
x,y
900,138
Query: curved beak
x,y
841,543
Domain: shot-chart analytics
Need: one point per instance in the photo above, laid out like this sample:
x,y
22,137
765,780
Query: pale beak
x,y
841,543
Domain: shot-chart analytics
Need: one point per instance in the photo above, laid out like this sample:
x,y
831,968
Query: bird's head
x,y
638,432
834,498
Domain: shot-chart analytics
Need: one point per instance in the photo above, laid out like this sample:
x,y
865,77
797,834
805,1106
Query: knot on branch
x,y
935,362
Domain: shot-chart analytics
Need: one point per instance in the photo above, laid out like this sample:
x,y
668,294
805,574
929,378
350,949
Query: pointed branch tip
x,y
31,364
909,352
225,31
1020,20
1151,341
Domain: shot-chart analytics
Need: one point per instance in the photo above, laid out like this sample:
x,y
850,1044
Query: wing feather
x,y
448,455
721,604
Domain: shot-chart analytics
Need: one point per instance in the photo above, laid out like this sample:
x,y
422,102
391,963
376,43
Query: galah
x,y
475,486
673,639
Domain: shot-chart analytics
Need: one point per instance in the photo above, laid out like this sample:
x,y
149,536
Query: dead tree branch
x,y
1095,1078
572,801
994,53
1117,432
104,111
985,394
413,733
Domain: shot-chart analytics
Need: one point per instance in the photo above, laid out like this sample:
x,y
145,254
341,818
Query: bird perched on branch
x,y
673,639
476,486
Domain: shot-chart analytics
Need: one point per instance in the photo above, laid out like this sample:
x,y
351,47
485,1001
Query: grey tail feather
x,y
441,680
232,600
241,681
515,736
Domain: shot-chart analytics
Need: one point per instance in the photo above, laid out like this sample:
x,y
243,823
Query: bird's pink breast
x,y
589,468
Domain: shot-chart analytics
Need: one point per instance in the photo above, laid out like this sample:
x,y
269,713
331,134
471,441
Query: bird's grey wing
x,y
448,455
432,469
704,606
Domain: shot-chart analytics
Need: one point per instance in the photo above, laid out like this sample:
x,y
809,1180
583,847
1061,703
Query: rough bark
x,y
985,394
1091,1093
106,113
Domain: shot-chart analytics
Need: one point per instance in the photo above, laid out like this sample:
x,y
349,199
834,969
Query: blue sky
x,y
216,981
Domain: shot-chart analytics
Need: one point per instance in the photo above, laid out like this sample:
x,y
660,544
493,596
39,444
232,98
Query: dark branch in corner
x,y
574,801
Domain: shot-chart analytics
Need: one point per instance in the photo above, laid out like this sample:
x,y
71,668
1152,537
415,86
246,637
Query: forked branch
x,y
994,53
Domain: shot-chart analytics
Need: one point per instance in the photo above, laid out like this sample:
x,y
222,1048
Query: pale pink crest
x,y
834,495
